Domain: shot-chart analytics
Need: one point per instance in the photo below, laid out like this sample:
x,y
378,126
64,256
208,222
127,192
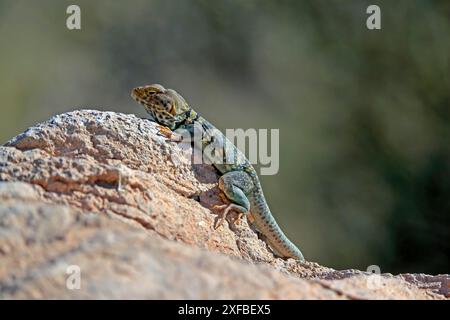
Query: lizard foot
x,y
226,209
169,134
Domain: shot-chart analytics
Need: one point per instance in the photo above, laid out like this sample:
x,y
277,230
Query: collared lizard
x,y
239,181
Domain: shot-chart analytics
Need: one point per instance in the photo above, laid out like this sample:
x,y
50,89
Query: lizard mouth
x,y
136,93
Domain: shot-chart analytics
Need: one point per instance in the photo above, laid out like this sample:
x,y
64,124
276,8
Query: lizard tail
x,y
266,223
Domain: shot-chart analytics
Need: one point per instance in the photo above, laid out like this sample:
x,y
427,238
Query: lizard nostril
x,y
137,91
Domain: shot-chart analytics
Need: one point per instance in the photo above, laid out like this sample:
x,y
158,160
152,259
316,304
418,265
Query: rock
x,y
103,194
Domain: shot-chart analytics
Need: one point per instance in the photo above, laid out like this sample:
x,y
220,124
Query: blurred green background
x,y
364,116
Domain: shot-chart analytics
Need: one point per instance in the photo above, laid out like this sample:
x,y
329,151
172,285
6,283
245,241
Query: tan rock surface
x,y
103,191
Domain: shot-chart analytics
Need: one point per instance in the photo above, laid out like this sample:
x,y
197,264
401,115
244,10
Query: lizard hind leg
x,y
226,209
234,185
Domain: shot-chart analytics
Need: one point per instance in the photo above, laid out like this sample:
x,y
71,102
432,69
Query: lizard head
x,y
165,106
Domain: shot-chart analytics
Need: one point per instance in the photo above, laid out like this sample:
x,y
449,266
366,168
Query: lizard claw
x,y
226,209
169,134
164,131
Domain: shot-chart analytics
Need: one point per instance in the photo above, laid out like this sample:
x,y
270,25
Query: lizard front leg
x,y
234,185
170,135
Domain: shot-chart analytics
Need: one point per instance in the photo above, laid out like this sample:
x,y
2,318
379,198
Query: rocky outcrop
x,y
101,196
